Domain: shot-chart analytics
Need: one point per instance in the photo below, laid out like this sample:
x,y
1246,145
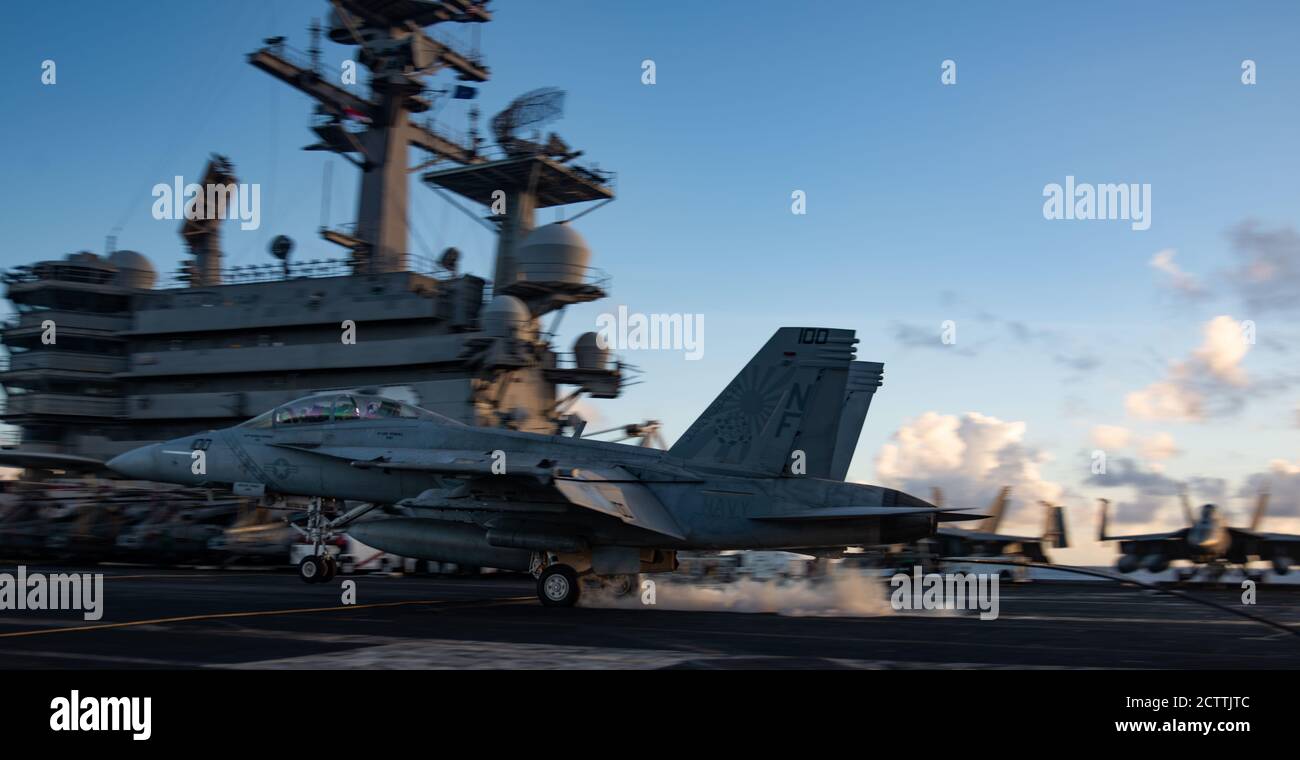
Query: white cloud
x,y
1165,399
1201,378
1223,349
972,456
1111,436
1158,446
1178,279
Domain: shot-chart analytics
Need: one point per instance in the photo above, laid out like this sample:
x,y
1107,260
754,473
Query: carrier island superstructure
x,y
134,360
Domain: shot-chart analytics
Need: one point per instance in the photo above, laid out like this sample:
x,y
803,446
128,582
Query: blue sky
x,y
924,200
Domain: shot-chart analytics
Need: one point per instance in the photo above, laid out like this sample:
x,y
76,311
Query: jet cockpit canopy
x,y
341,407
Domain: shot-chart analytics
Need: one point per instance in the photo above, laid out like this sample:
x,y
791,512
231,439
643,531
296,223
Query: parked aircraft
x,y
1207,542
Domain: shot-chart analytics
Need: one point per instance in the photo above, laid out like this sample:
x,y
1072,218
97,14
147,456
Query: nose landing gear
x,y
320,566
317,568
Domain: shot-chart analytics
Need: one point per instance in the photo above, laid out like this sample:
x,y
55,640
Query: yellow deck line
x,y
228,615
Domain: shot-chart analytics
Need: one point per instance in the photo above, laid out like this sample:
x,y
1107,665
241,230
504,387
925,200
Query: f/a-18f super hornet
x,y
1207,541
756,471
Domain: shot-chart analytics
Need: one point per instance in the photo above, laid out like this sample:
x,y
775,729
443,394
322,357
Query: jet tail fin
x,y
1104,507
1054,527
1261,506
996,510
864,379
788,398
1187,508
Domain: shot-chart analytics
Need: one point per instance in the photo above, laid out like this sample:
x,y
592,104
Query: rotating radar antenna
x,y
532,109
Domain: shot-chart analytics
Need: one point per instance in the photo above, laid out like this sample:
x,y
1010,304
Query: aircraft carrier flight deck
x,y
199,618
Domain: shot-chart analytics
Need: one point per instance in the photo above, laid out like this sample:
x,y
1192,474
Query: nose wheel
x,y
557,586
317,568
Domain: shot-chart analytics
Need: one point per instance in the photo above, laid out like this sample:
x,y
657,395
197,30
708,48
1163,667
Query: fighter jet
x,y
743,476
985,540
982,540
1207,541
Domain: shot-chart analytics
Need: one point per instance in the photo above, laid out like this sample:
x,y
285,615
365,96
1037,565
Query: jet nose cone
x,y
136,463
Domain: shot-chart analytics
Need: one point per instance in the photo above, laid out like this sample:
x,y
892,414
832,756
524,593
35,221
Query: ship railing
x,y
59,273
303,60
425,265
590,172
240,275
458,46
563,274
450,134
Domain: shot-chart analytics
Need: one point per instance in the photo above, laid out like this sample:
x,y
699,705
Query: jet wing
x,y
987,538
35,460
847,513
1266,545
436,461
616,492
1172,536
611,491
1276,538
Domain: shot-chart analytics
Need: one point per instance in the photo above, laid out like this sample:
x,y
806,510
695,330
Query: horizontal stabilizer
x,y
848,513
948,515
39,460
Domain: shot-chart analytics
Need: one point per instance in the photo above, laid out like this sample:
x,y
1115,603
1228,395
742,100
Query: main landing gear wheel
x,y
331,568
557,586
312,569
622,585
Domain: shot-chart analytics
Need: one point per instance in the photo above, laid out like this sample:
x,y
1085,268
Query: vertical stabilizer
x,y
1054,534
864,379
1261,506
996,510
787,398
